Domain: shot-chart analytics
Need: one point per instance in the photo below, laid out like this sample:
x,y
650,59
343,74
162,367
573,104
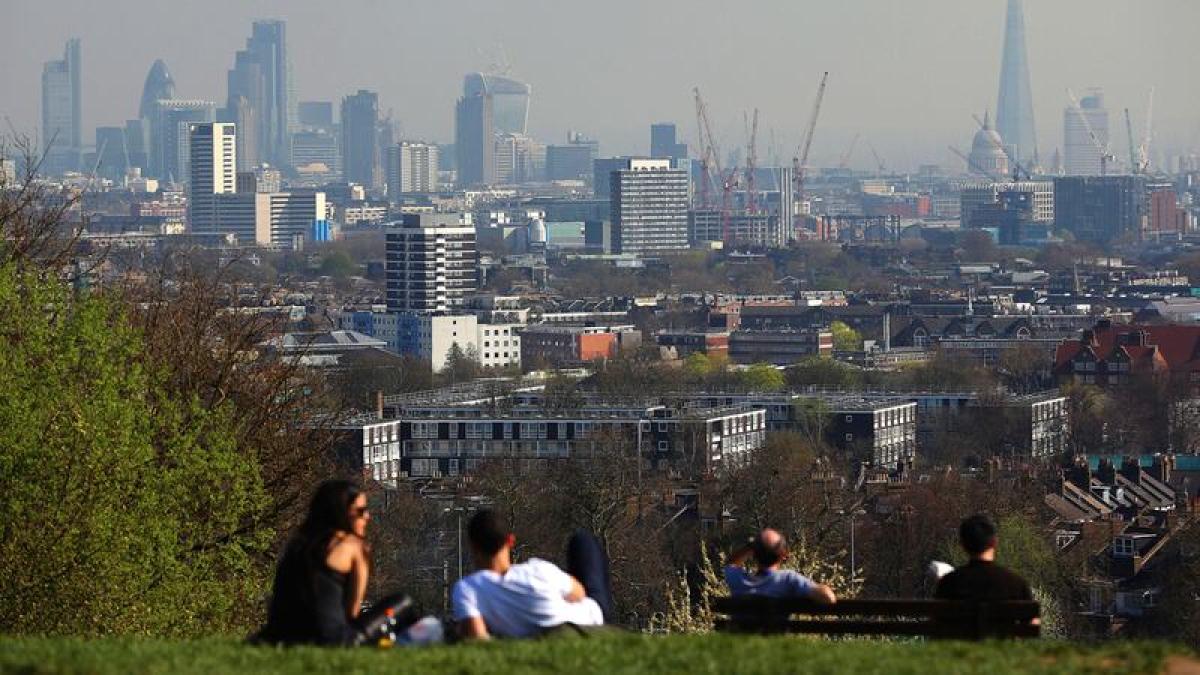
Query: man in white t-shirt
x,y
769,550
526,599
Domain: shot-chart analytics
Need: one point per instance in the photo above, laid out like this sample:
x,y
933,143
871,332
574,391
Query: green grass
x,y
724,654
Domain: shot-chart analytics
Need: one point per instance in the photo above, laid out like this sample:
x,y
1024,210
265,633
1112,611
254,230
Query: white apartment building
x,y
412,168
431,262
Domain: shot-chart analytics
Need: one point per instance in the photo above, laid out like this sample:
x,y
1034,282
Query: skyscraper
x,y
1081,156
1014,105
212,159
360,140
159,86
662,142
169,140
474,140
261,74
649,207
510,100
62,116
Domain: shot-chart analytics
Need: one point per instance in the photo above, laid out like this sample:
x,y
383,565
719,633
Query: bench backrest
x,y
931,618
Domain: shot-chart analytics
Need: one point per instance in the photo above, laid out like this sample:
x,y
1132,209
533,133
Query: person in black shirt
x,y
981,579
321,580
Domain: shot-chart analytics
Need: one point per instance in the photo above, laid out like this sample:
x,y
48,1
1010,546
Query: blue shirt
x,y
772,583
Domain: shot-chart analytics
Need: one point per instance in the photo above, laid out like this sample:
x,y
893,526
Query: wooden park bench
x,y
948,619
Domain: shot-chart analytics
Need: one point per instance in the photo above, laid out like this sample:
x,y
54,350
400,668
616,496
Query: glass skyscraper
x,y
1014,105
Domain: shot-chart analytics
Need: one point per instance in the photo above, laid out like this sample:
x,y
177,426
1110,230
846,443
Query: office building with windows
x,y
649,207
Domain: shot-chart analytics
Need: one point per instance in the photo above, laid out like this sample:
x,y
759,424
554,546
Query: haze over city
x,y
907,76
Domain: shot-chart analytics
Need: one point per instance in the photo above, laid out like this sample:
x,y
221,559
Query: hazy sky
x,y
905,74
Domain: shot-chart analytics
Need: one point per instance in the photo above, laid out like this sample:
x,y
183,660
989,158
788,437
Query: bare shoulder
x,y
344,550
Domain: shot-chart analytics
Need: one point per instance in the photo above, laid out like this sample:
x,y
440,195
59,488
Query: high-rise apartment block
x,y
62,111
431,262
360,146
412,168
212,157
649,209
1082,154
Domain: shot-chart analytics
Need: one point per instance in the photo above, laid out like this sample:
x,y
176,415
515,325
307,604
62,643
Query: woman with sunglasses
x,y
322,576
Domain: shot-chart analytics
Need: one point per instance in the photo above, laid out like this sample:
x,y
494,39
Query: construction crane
x,y
845,160
800,159
752,165
1106,154
878,160
710,163
972,165
96,165
1133,155
1144,149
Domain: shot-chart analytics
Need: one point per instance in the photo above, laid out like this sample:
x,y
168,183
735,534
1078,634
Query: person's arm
x,y
468,619
821,593
473,628
576,593
348,556
740,555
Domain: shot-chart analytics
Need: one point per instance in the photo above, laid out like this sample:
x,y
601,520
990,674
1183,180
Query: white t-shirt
x,y
526,600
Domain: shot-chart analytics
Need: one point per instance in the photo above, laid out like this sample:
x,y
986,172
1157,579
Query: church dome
x,y
987,152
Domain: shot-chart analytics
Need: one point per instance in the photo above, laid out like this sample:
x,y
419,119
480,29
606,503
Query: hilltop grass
x,y
623,654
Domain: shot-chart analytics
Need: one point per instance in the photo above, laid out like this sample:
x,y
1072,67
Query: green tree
x,y
816,370
127,508
763,377
845,338
338,265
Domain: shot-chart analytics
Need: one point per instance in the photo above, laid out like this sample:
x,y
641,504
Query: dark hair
x,y
488,531
768,555
328,514
977,534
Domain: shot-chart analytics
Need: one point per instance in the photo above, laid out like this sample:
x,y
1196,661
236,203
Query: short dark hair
x,y
488,531
977,534
768,555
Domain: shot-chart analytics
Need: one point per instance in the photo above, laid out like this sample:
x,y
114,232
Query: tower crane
x,y
1144,149
1133,154
800,160
752,165
845,160
710,163
882,167
1105,153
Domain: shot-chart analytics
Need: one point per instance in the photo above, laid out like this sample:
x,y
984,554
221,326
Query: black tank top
x,y
308,607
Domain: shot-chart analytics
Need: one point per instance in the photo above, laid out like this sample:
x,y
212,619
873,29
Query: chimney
x,y
1131,469
379,404
1105,472
887,331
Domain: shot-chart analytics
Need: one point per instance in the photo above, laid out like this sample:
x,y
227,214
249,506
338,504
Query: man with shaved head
x,y
769,550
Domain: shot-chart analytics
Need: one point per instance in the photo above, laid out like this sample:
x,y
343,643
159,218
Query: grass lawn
x,y
724,654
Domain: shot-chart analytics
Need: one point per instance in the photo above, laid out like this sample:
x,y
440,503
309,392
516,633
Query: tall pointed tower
x,y
1014,107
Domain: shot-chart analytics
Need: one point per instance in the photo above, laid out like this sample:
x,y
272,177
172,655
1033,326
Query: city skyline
x,y
879,61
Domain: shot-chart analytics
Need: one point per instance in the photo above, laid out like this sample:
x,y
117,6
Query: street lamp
x,y
852,513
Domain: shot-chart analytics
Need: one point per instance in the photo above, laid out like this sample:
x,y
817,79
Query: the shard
x,y
1014,107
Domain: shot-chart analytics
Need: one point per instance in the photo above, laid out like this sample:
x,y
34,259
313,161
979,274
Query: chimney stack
x,y
379,404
